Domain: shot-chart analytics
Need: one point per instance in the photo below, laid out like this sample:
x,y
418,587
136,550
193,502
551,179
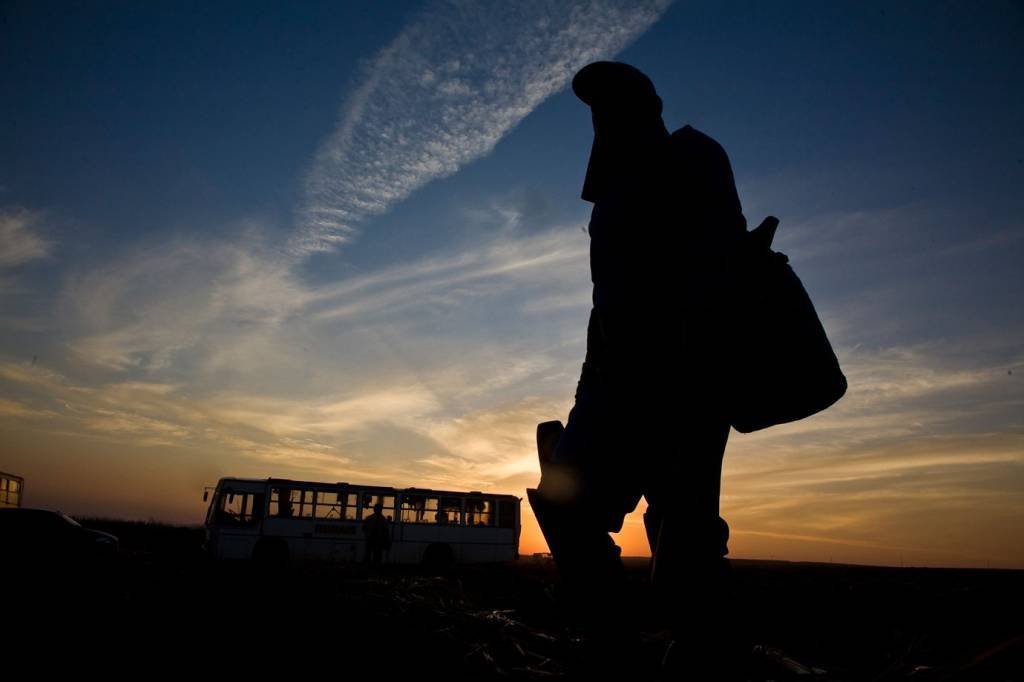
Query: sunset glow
x,y
336,245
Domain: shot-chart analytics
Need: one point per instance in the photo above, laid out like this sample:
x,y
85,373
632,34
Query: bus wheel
x,y
438,558
272,554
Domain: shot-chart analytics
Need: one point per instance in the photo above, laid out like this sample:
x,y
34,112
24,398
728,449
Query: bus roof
x,y
370,488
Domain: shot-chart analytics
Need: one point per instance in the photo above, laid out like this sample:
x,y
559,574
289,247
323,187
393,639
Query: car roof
x,y
31,513
28,511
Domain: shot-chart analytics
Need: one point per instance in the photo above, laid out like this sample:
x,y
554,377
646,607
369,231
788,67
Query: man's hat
x,y
628,130
614,85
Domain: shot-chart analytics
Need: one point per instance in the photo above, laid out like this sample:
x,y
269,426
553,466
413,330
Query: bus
x,y
276,520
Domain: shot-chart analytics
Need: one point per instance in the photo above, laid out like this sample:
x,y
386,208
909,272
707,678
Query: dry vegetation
x,y
163,597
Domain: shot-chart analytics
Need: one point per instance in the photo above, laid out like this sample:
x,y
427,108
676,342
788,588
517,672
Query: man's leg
x,y
689,571
683,489
584,495
577,536
579,502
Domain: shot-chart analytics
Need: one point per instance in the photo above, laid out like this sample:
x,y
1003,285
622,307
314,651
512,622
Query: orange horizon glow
x,y
79,493
869,481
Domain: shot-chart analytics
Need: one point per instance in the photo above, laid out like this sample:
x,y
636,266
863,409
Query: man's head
x,y
617,89
628,130
379,507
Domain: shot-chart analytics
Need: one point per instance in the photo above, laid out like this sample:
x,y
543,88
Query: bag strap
x,y
760,238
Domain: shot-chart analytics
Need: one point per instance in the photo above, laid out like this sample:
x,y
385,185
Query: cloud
x,y
13,408
330,416
20,241
148,308
924,455
141,429
370,433
218,343
485,446
444,92
553,259
227,307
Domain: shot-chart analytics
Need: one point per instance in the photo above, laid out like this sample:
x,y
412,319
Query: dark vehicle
x,y
38,536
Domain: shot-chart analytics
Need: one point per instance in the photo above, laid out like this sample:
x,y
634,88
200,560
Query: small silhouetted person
x,y
418,503
648,418
377,530
284,503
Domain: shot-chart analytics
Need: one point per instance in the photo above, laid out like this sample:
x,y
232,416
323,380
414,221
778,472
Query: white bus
x,y
278,520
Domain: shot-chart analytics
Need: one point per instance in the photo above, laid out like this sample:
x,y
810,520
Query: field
x,y
162,598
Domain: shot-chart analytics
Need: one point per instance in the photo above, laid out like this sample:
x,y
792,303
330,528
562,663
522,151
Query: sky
x,y
344,242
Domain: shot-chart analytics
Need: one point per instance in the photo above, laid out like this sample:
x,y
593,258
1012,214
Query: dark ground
x,y
161,604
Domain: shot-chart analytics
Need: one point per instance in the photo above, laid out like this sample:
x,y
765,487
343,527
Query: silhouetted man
x,y
377,530
648,419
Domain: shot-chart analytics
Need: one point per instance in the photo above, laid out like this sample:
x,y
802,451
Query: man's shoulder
x,y
690,137
695,149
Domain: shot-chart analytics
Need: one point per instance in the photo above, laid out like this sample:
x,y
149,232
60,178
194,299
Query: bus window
x,y
328,504
289,502
239,509
450,512
305,502
419,509
10,492
280,503
370,501
351,501
331,504
479,512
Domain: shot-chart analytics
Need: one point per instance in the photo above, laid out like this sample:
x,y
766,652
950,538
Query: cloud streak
x,y
556,257
444,92
207,306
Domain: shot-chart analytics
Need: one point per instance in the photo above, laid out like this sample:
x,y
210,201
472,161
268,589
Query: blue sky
x,y
345,241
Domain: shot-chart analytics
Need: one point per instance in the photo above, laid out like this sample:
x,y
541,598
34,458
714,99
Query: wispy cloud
x,y
485,446
13,408
149,309
444,92
322,435
555,258
220,306
20,240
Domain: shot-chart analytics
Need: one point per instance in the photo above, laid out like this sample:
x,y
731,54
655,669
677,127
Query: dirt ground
x,y
161,603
